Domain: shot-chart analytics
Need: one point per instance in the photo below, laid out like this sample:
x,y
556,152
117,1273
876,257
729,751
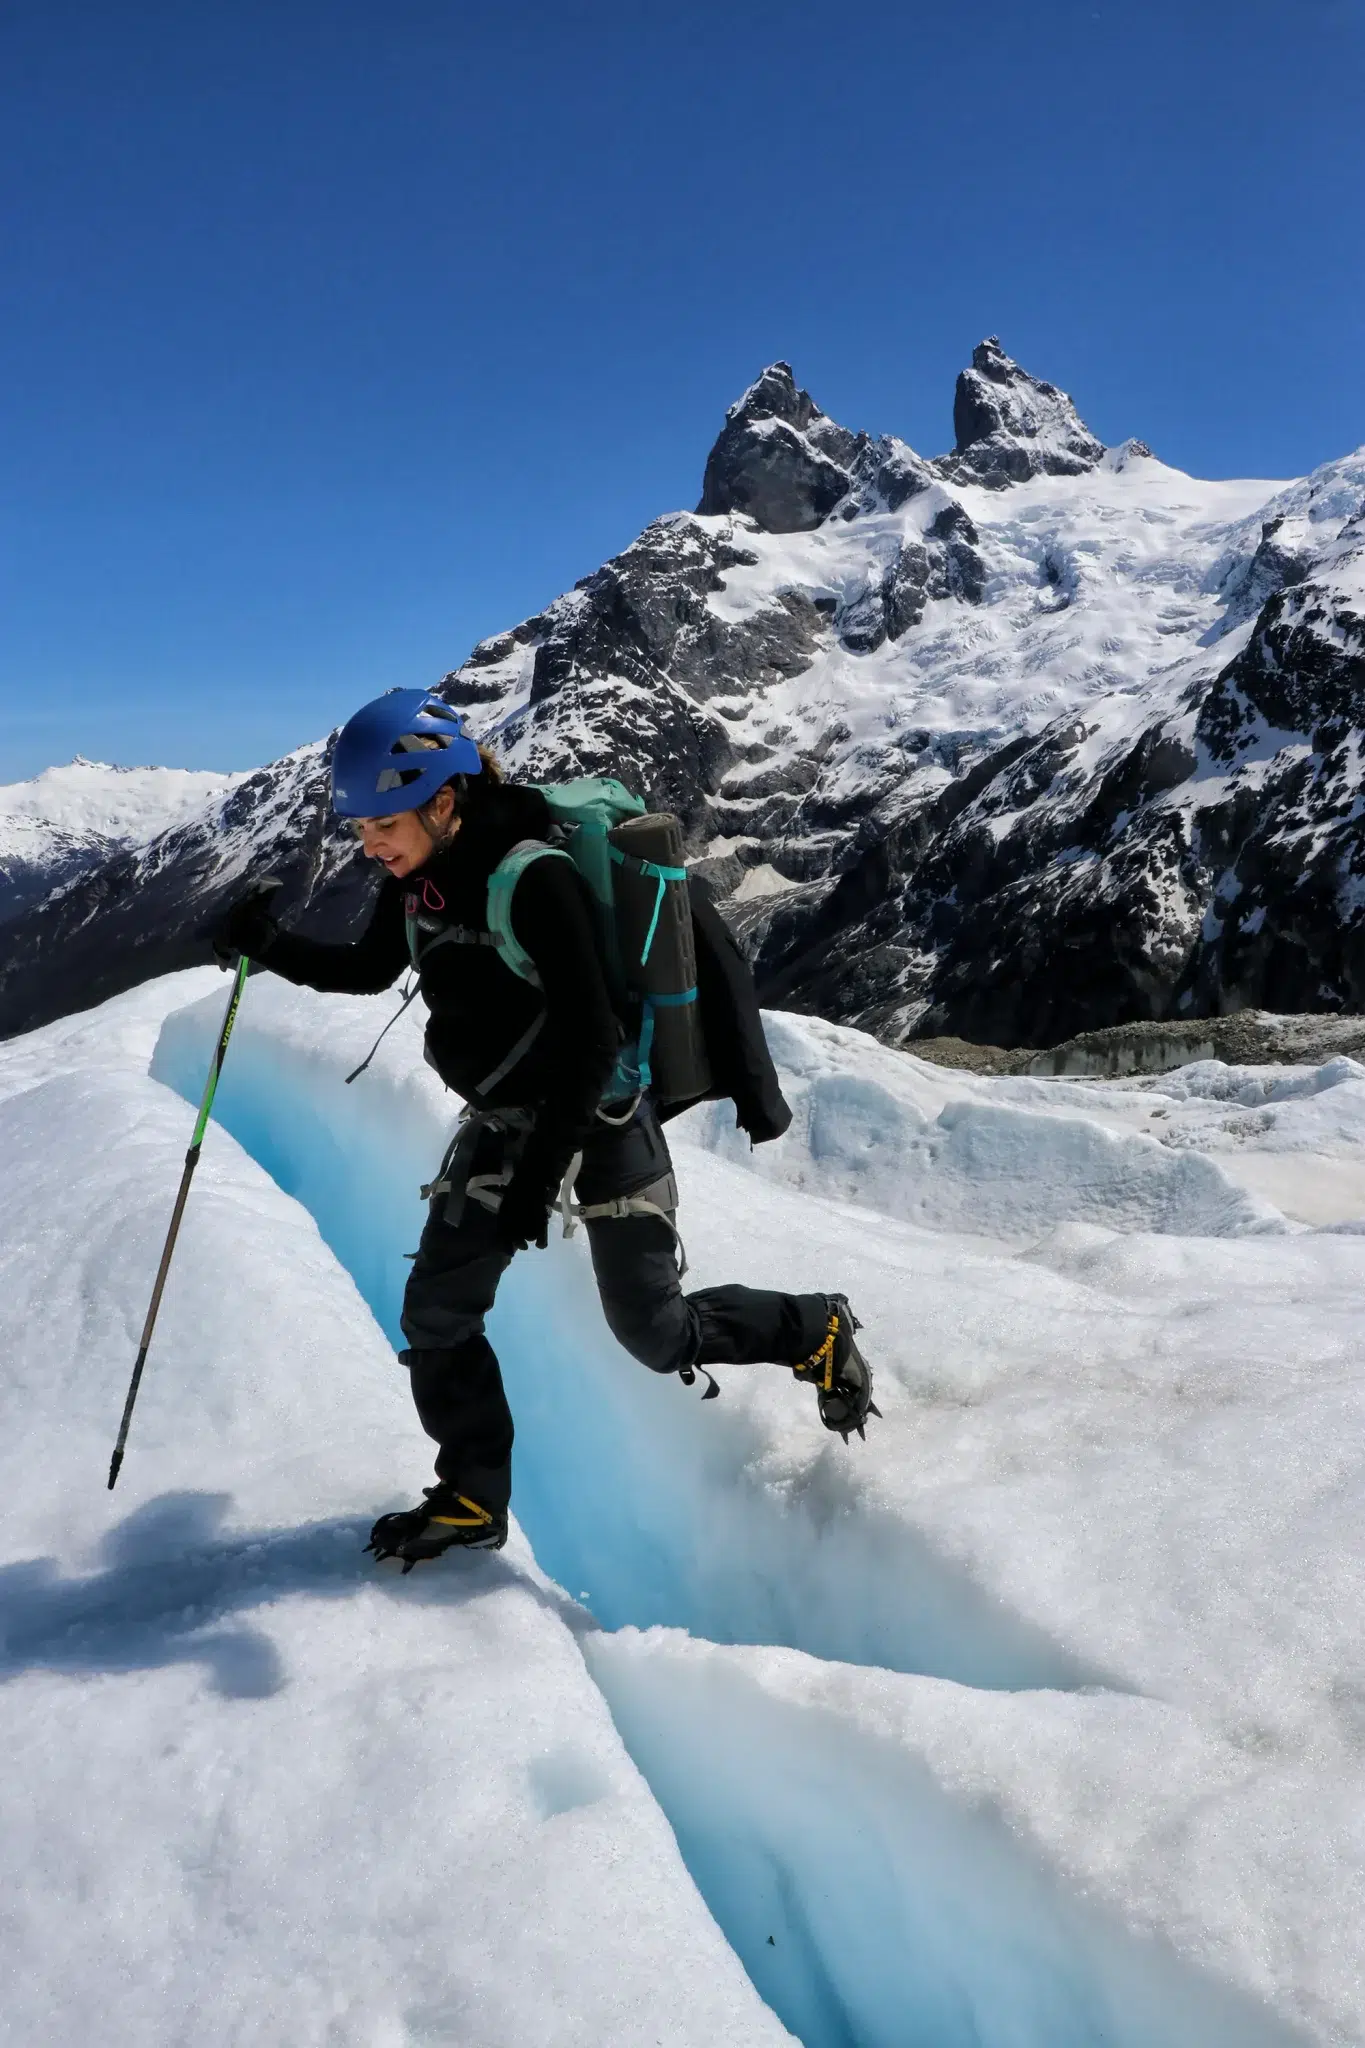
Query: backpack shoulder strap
x,y
425,935
501,885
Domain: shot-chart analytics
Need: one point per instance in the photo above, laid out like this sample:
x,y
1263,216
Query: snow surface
x,y
1038,1721
1093,589
256,1792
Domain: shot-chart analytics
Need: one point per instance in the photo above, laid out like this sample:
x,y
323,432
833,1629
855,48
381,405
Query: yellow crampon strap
x,y
824,1356
475,1519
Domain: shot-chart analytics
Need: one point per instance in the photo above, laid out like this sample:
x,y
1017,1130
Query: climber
x,y
538,1053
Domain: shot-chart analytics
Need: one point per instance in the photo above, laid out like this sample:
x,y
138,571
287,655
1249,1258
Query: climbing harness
x,y
455,1179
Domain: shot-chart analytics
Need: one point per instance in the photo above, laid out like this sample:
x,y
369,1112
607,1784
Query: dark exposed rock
x,y
945,563
1252,1038
149,910
1272,567
906,589
1011,426
886,474
1302,671
961,571
779,459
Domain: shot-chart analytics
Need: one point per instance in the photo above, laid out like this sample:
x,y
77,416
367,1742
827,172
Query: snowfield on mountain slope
x,y
1035,1721
1109,586
82,812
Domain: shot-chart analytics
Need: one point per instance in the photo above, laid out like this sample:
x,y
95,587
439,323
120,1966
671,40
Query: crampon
x,y
840,1374
445,1521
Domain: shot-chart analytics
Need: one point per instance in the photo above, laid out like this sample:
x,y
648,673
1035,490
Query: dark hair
x,y
469,791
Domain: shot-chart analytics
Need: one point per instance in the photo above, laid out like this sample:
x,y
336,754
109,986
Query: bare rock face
x,y
1011,426
779,459
942,563
886,474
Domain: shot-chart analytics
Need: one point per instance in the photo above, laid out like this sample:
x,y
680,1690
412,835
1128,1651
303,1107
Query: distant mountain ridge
x,y
71,819
1012,743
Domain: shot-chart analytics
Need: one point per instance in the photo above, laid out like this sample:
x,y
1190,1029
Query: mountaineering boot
x,y
445,1520
842,1376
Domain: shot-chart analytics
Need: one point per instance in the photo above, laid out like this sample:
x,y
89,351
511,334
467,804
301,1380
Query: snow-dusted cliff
x,y
1014,742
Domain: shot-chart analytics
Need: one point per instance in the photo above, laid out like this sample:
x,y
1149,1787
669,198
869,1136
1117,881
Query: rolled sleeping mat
x,y
654,928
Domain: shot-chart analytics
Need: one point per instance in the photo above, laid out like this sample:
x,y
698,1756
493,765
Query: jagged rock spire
x,y
779,458
1011,426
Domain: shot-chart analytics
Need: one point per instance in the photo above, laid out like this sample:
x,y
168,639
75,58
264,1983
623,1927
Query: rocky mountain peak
x,y
779,459
1011,426
775,395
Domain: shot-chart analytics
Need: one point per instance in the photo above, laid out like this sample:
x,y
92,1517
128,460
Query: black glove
x,y
247,927
524,1215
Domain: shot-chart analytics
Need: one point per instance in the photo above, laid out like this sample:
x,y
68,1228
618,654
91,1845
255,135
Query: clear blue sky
x,y
337,334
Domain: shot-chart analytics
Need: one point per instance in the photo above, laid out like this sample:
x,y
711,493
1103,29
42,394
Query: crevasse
x,y
869,1908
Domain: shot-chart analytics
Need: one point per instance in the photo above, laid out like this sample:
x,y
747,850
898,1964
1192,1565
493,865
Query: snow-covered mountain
x,y
1025,739
143,907
72,819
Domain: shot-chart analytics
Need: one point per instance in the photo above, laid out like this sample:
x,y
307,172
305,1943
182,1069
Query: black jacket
x,y
478,1007
742,1067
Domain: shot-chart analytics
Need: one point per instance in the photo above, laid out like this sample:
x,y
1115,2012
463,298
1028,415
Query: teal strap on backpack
x,y
584,813
662,875
501,884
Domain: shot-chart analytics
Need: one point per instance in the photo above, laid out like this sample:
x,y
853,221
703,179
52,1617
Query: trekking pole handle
x,y
191,1161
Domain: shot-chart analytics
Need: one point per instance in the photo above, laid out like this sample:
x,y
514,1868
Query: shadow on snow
x,y
171,1588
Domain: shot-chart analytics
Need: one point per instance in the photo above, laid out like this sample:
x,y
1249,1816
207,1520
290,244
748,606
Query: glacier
x,y
1034,1722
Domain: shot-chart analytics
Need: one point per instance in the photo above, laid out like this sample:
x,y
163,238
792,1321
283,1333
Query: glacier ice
x,y
1110,1509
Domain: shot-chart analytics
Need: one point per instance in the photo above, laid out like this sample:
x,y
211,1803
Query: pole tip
x,y
114,1464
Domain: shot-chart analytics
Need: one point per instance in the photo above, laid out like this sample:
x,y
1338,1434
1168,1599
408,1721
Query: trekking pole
x,y
191,1161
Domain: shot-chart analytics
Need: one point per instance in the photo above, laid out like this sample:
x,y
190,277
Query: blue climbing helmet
x,y
397,752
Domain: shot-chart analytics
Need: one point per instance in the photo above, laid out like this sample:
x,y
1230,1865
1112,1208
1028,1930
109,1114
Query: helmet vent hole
x,y
419,743
396,778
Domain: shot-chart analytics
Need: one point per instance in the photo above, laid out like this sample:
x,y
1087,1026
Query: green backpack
x,y
585,813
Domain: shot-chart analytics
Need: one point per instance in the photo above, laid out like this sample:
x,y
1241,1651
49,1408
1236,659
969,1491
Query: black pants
x,y
456,1384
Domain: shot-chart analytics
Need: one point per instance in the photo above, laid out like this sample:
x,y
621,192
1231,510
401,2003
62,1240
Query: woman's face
x,y
402,842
